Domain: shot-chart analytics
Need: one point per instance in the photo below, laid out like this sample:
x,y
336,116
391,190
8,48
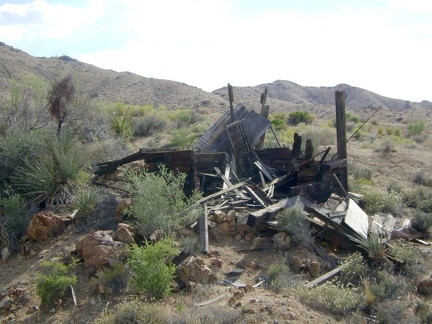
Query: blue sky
x,y
384,46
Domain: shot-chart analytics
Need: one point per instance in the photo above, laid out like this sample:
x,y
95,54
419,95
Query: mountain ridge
x,y
130,88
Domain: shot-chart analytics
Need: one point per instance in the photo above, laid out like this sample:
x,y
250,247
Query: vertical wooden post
x,y
265,110
296,145
340,97
231,101
340,125
203,231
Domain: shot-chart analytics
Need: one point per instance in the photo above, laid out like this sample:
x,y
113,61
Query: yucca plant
x,y
374,247
47,177
121,123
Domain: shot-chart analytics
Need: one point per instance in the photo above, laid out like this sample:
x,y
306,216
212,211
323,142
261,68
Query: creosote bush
x,y
293,222
54,281
158,199
297,117
151,267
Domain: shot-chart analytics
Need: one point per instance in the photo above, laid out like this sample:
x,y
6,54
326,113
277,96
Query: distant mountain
x,y
104,85
289,95
130,88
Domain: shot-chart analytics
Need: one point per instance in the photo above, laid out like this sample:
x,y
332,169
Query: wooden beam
x,y
325,277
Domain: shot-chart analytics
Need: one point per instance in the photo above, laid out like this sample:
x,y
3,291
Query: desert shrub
x,y
190,245
115,278
15,148
380,130
120,123
350,126
133,312
386,145
293,222
151,267
360,173
108,150
297,117
15,217
355,269
319,136
278,276
54,281
84,199
388,286
278,123
148,125
389,131
397,132
352,117
184,117
158,199
416,127
333,298
413,266
183,138
420,138
394,312
48,176
378,200
423,179
424,312
422,221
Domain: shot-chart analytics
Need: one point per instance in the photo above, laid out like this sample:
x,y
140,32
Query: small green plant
x,y
422,221
297,117
151,266
374,247
190,245
416,127
278,276
134,311
85,200
355,269
294,223
115,278
54,281
158,199
333,298
423,179
121,124
148,125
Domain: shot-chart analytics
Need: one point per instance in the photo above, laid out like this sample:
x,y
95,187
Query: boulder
x,y
425,287
194,270
314,268
45,225
124,205
125,233
99,250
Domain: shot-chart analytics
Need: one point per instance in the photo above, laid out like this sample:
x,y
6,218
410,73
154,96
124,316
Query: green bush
x,y
278,276
121,124
415,128
355,269
183,138
190,245
157,198
84,200
48,176
294,223
134,312
297,117
378,200
333,298
148,125
423,179
374,247
115,278
422,221
15,218
54,281
151,267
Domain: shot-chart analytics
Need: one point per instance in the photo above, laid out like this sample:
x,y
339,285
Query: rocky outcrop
x,y
99,250
45,225
125,234
195,270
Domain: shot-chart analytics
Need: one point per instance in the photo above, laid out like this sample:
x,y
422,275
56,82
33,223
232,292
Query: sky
x,y
384,46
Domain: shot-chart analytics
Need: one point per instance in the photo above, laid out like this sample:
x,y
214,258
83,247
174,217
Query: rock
x,y
216,262
262,243
425,287
217,216
296,264
282,241
239,294
45,225
5,253
232,301
248,288
6,303
249,311
224,227
230,216
125,233
193,269
99,250
122,207
314,268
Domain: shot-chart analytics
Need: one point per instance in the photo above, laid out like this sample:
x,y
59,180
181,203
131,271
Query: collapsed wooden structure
x,y
233,171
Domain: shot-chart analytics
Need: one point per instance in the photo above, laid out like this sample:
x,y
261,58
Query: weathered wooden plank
x,y
327,276
260,216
